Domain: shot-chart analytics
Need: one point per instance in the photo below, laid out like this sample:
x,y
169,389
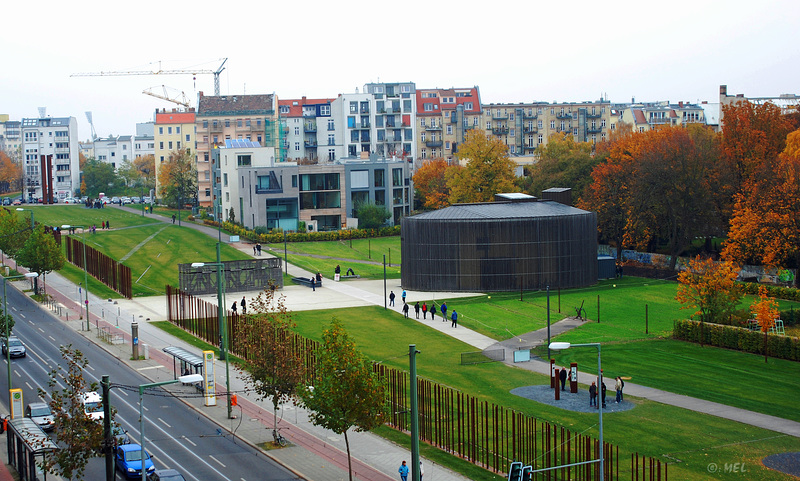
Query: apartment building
x,y
233,117
50,158
11,137
652,115
443,118
173,130
306,124
788,103
525,126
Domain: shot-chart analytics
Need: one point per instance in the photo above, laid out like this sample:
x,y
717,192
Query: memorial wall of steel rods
x,y
480,255
103,268
483,433
239,276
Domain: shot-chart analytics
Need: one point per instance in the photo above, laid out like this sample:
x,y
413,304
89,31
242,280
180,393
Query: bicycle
x,y
278,439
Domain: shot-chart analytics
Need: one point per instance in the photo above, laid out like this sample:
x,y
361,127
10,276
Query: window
x,y
331,139
243,160
294,181
297,146
161,130
161,145
325,110
225,179
406,106
330,124
170,145
187,137
397,177
359,179
541,138
312,182
284,109
552,124
539,124
405,88
511,133
428,107
353,107
510,116
447,145
178,145
297,131
422,137
380,197
575,131
169,130
468,105
379,178
512,149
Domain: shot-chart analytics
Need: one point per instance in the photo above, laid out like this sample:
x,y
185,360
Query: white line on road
x,y
217,460
188,441
164,422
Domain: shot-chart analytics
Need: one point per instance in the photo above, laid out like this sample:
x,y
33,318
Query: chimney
x,y
723,90
680,104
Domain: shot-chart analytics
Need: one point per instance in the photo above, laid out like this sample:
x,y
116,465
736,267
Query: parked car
x,y
7,201
15,346
93,405
41,414
115,200
146,199
128,459
125,200
120,435
165,475
19,201
71,200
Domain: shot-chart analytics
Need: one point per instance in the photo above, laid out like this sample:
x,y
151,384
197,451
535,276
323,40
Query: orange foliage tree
x,y
431,184
709,288
10,173
765,227
489,171
765,311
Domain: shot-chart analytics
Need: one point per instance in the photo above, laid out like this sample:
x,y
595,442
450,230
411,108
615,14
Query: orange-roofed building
x,y
174,130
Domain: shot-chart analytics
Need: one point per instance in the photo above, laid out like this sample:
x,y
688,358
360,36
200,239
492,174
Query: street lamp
x,y
29,275
558,346
223,329
85,272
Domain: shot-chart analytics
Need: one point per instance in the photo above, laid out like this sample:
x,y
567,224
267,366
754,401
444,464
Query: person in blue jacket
x,y
454,318
403,471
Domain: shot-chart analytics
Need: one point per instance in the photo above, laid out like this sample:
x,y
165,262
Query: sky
x,y
515,51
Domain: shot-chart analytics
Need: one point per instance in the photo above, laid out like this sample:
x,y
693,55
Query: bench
x,y
353,276
305,281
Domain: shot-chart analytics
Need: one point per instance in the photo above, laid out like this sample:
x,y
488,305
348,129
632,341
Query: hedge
x,y
277,236
738,339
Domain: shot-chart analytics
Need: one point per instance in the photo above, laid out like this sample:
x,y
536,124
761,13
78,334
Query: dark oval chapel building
x,y
517,242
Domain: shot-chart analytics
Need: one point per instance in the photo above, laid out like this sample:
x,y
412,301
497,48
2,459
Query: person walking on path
x,y
108,225
405,309
103,225
563,377
173,218
603,389
433,311
618,387
258,247
244,306
444,312
313,284
233,307
403,472
391,296
593,395
416,309
421,470
454,318
424,310
404,296
254,249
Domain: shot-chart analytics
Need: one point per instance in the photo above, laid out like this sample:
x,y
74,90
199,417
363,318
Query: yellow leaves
x,y
431,182
764,310
793,145
489,170
709,287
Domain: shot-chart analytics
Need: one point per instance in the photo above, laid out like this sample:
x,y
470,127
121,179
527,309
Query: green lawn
x,y
651,428
359,249
326,267
77,214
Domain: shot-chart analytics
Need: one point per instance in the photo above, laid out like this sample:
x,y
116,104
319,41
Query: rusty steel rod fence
x,y
483,433
100,266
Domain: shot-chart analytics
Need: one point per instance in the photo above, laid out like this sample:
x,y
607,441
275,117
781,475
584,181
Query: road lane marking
x,y
217,460
164,422
188,441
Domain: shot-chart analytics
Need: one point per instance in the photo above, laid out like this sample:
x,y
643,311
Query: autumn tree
x,y
765,227
41,254
272,367
177,178
765,311
563,162
78,436
346,393
710,289
430,183
489,171
10,174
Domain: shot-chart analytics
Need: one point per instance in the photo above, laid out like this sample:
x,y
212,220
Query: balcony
x,y
433,143
530,130
592,116
395,110
433,127
530,116
564,115
309,128
310,144
267,190
364,111
364,125
499,116
500,130
215,127
593,130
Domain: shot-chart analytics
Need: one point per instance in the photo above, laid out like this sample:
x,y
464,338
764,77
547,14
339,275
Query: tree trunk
x,y
349,460
765,346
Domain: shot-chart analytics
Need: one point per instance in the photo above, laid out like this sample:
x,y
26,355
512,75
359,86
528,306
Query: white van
x,y
93,405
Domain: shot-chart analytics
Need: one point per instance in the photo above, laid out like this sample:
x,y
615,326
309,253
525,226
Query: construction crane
x,y
160,71
177,98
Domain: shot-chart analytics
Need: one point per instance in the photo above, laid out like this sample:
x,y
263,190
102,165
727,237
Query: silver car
x,y
40,414
14,345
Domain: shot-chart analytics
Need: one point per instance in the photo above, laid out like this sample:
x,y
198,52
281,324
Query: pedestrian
x,y
258,247
94,228
593,395
338,269
421,470
254,249
391,295
603,389
350,272
173,218
618,387
454,318
444,312
404,295
563,377
416,309
244,306
103,225
403,472
405,309
233,307
313,284
108,225
433,311
424,310
319,279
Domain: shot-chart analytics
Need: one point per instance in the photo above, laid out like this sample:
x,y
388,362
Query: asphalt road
x,y
176,436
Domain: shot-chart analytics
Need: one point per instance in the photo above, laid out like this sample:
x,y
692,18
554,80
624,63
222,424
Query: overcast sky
x,y
515,51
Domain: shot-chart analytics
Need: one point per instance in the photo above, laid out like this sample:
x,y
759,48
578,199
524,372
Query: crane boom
x,y
160,71
179,99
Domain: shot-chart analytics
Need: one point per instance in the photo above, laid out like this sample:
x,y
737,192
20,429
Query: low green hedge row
x,y
276,237
737,338
778,292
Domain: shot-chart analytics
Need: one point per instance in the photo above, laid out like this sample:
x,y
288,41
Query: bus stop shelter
x,y
28,447
191,362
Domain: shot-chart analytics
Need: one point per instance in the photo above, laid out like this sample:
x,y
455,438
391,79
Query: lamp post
x,y
30,275
85,272
223,328
557,346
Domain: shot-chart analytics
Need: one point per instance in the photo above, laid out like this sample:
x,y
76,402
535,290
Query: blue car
x,y
129,460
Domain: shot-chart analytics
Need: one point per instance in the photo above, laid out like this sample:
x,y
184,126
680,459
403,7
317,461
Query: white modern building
x,y
51,158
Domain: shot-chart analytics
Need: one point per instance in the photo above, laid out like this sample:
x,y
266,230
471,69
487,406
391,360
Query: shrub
x,y
737,338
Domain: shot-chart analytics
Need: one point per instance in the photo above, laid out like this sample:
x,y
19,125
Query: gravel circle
x,y
788,463
578,402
